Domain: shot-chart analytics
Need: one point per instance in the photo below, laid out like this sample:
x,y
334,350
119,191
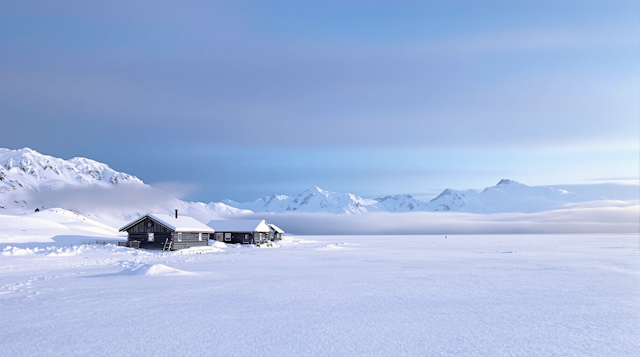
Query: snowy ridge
x,y
273,203
28,169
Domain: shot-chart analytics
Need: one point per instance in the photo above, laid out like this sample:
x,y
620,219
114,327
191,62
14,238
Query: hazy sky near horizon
x,y
241,99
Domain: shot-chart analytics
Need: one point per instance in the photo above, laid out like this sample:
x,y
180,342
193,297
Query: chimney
x,y
176,213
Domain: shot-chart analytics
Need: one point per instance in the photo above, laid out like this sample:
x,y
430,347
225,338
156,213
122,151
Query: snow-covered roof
x,y
253,225
276,228
180,224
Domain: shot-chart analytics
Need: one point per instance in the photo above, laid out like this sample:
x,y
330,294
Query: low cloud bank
x,y
118,205
576,220
114,205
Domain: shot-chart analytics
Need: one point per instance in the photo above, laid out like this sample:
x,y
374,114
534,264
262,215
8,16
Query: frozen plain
x,y
466,295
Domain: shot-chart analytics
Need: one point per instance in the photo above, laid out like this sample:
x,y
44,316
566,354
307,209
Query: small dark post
x,y
176,213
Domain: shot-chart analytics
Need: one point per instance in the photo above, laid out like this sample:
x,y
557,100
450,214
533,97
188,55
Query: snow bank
x,y
74,250
197,250
328,247
155,270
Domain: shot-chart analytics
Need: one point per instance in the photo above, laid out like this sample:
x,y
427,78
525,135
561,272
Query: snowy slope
x,y
51,226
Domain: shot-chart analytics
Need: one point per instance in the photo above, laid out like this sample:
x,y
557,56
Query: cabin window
x,y
227,237
150,237
179,237
200,237
219,237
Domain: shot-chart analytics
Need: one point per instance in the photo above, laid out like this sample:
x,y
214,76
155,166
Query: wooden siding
x,y
143,227
190,240
158,239
237,237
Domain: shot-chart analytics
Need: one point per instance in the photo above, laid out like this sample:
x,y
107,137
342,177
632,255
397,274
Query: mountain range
x,y
30,180
506,196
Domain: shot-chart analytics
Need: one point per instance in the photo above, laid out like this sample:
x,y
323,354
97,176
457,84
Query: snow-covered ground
x,y
463,295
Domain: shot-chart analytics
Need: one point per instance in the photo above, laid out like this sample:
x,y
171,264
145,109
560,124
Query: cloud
x,y
177,189
100,199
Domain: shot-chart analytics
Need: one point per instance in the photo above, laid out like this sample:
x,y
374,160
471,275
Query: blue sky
x,y
241,99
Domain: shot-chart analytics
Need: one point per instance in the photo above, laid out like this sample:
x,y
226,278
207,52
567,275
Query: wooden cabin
x,y
153,230
241,231
276,232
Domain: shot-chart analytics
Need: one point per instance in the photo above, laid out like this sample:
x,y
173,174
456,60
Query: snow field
x,y
476,295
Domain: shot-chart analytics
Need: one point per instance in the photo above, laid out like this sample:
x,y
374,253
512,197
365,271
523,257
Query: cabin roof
x,y
180,224
253,225
276,228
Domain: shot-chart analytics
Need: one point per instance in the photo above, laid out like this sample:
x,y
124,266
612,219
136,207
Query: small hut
x,y
154,230
241,231
276,231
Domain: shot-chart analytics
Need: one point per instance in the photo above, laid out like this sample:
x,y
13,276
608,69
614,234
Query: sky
x,y
242,99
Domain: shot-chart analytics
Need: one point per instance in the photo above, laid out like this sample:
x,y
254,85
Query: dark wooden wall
x,y
158,239
190,240
237,237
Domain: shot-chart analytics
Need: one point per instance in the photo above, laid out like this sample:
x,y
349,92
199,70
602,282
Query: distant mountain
x,y
506,196
273,203
402,203
313,199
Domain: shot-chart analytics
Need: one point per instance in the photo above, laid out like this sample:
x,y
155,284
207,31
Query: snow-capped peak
x,y
25,172
506,182
28,168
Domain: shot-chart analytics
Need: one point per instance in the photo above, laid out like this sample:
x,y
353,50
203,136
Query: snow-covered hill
x,y
30,180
